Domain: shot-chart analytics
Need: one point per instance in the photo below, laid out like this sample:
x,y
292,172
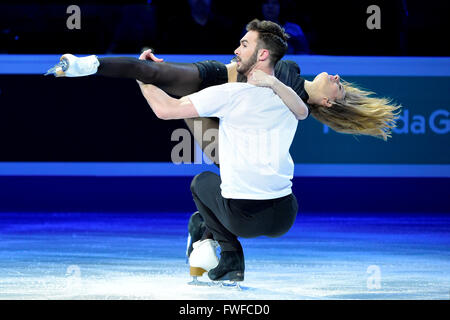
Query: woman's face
x,y
329,87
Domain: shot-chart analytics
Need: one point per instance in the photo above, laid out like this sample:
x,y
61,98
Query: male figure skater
x,y
253,196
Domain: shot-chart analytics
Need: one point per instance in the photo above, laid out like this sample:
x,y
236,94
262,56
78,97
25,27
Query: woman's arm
x,y
289,96
232,71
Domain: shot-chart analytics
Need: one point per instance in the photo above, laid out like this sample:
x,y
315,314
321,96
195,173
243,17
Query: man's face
x,y
246,53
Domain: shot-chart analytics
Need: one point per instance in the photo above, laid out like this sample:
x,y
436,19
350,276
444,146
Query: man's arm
x,y
164,106
287,94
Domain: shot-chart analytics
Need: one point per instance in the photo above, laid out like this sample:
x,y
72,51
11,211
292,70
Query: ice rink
x,y
142,256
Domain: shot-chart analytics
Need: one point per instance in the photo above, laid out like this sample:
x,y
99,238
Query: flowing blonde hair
x,y
359,114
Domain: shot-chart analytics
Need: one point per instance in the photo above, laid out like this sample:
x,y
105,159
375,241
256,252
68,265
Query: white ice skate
x,y
72,66
202,259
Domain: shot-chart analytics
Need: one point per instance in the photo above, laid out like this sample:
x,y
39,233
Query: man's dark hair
x,y
271,36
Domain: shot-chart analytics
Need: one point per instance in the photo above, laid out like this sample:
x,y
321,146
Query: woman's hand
x,y
261,79
148,55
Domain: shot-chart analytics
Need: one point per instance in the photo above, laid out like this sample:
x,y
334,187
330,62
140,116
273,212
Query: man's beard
x,y
241,78
246,66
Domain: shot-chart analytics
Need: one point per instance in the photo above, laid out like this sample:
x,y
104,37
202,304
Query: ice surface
x,y
141,256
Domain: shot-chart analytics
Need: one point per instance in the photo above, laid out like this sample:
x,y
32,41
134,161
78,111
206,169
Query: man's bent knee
x,y
198,180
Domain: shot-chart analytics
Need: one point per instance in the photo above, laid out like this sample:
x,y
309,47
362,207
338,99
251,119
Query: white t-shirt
x,y
256,131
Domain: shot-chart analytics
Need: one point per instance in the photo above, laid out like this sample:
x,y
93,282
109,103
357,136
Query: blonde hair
x,y
359,114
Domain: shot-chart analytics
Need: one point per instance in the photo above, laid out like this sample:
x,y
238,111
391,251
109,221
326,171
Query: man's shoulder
x,y
230,86
223,91
246,88
236,87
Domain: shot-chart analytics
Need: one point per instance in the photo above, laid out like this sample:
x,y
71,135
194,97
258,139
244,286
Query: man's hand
x,y
261,79
148,55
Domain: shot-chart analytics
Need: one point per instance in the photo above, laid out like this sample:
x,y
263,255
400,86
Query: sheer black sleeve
x,y
288,72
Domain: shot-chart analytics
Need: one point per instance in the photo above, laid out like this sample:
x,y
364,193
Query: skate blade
x,y
58,70
229,285
189,239
195,282
221,284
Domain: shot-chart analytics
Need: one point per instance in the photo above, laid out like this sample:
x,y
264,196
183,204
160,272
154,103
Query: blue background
x,y
92,144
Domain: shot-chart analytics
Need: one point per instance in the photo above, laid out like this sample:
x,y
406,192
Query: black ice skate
x,y
230,270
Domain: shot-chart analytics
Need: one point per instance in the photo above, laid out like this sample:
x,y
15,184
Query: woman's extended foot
x,y
72,66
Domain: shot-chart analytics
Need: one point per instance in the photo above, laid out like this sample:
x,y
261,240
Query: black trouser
x,y
228,219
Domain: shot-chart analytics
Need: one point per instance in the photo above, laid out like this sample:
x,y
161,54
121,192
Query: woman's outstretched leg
x,y
178,79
